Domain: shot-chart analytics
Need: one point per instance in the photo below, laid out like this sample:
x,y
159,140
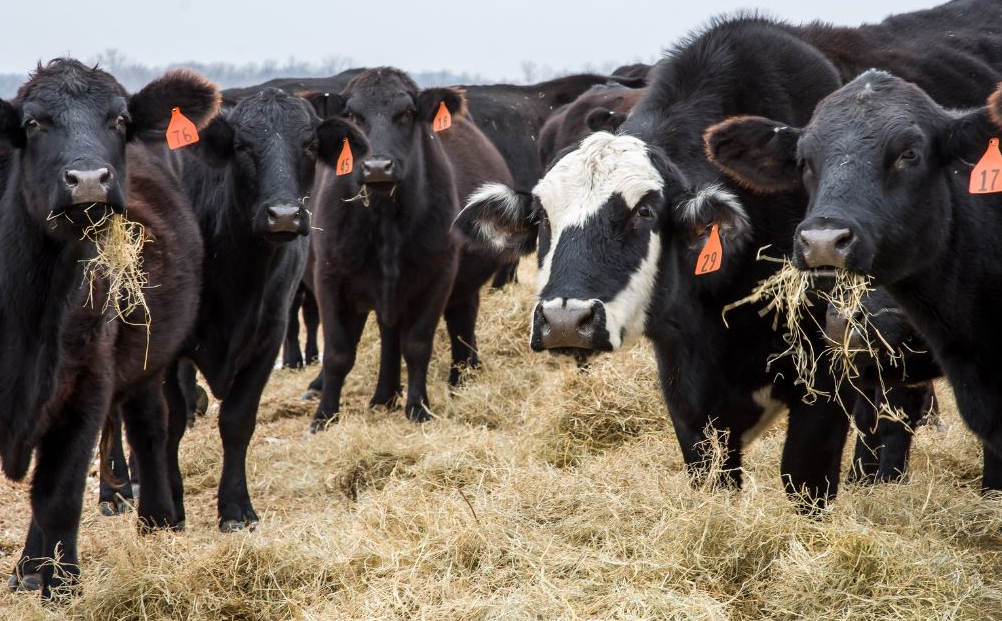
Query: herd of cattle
x,y
848,148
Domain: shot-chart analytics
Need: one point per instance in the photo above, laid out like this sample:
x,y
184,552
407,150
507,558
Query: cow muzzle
x,y
825,243
569,324
378,170
285,220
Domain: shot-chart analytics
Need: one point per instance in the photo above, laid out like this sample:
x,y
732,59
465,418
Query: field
x,y
540,492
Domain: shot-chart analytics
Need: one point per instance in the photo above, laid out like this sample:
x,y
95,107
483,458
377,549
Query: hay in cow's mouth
x,y
119,262
787,294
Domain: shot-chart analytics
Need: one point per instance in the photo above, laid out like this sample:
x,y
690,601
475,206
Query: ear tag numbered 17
x,y
345,161
709,258
985,178
181,131
443,120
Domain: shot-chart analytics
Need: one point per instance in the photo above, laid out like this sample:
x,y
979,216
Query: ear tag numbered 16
x,y
443,120
181,131
345,161
985,178
709,258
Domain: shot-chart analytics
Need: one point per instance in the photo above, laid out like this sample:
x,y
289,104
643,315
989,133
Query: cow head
x,y
386,117
611,215
69,125
878,161
270,141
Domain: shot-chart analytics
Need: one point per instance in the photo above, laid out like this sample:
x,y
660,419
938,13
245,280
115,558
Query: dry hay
x,y
540,492
118,262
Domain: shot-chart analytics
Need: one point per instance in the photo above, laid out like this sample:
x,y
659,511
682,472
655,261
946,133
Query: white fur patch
x,y
508,210
577,186
693,209
771,409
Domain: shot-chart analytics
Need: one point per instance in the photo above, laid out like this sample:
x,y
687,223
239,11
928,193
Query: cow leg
x,y
342,330
115,491
991,474
866,455
697,452
311,321
146,423
812,455
388,388
507,273
27,576
187,380
177,423
237,419
418,339
292,356
896,436
62,457
461,323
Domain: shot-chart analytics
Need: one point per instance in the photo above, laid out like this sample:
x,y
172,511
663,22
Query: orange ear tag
x,y
443,120
180,132
709,258
985,176
345,162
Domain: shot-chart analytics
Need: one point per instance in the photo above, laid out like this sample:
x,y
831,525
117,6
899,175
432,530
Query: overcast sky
x,y
487,38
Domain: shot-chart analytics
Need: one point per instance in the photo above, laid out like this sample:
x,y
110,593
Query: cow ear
x,y
216,141
966,136
196,97
713,205
429,100
325,104
598,118
331,136
10,124
497,221
758,153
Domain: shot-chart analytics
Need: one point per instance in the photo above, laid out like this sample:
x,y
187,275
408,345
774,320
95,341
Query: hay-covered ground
x,y
540,492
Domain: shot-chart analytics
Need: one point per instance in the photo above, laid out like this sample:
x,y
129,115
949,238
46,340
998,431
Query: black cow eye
x,y
355,118
645,212
31,124
407,116
908,155
312,147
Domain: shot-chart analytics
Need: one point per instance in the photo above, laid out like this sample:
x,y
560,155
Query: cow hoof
x,y
311,395
418,413
27,582
382,400
236,526
317,425
201,401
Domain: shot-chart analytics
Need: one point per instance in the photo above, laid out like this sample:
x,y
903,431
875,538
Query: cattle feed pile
x,y
541,492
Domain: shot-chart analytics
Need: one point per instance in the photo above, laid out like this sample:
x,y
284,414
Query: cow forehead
x,y
584,180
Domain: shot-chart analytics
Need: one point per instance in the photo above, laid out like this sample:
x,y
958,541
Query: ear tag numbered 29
x,y
985,178
443,120
345,161
709,258
181,131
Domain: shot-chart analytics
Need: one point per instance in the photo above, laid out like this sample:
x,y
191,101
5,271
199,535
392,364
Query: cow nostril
x,y
843,241
105,175
70,178
586,321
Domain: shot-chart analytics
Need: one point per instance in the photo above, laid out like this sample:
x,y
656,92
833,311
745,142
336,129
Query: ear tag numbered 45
x,y
345,161
985,178
709,258
181,131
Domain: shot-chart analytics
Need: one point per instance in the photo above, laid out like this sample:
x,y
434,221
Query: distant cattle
x,y
603,107
623,220
78,157
292,86
893,194
249,181
892,384
382,238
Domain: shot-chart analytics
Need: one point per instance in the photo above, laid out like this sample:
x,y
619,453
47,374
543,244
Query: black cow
x,y
66,363
890,382
382,241
293,86
635,70
249,180
887,170
293,356
603,107
622,219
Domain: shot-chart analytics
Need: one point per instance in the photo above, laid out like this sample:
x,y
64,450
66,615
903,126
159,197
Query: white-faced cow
x,y
889,175
78,156
382,241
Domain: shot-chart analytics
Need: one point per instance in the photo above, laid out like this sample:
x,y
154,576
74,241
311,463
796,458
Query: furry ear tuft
x,y
195,96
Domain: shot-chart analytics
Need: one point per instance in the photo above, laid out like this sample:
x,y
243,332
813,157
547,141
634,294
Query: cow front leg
x,y
115,488
461,323
342,329
812,454
388,388
146,423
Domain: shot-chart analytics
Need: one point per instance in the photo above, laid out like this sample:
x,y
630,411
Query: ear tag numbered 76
x,y
345,161
443,120
709,258
181,131
985,178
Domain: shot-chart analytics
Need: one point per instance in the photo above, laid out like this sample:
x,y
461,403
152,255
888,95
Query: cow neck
x,y
40,279
968,256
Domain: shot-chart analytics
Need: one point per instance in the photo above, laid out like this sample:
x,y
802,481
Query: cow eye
x,y
355,118
908,156
407,116
311,147
31,124
645,212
